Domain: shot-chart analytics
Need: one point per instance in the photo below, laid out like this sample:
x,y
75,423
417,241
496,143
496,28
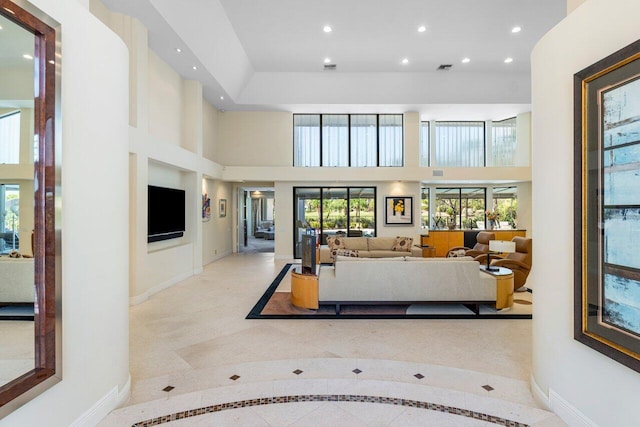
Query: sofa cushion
x,y
357,243
381,243
335,242
402,244
341,258
388,254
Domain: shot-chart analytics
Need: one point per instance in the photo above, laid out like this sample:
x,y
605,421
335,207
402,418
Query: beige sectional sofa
x,y
365,280
17,280
370,247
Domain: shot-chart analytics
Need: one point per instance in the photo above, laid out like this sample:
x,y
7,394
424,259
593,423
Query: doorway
x,y
257,220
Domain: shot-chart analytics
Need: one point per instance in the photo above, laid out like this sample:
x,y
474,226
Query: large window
x,y
460,144
306,139
424,208
356,140
335,140
459,208
503,142
10,138
350,211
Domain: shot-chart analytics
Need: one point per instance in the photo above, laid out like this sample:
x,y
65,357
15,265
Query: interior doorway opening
x,y
257,220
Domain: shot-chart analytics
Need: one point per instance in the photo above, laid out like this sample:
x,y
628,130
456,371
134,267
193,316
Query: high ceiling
x,y
270,54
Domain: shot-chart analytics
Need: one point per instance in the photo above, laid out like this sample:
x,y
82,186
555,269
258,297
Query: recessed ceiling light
x,y
422,29
405,60
27,56
327,60
466,60
221,97
0,27
508,60
178,50
516,29
327,29
195,68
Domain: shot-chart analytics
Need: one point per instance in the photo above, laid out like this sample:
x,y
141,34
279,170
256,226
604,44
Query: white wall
x,y
165,101
95,352
256,138
582,385
210,125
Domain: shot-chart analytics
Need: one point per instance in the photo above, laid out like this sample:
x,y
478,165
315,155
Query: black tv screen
x,y
165,213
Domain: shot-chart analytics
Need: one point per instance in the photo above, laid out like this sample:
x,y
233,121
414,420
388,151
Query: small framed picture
x,y
398,210
223,208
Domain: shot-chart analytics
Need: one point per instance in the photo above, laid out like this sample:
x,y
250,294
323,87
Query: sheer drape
x,y
335,140
364,141
306,140
10,139
459,144
503,142
390,140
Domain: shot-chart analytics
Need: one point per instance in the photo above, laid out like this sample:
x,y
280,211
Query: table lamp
x,y
499,246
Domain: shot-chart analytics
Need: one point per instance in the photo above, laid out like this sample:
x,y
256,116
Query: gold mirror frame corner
x,y
47,244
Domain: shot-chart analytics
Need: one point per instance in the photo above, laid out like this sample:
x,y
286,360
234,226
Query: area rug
x,y
275,303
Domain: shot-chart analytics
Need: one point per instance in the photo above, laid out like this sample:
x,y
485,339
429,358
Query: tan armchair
x,y
519,262
480,248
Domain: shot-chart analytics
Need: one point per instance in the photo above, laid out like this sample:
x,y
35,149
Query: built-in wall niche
x,y
171,206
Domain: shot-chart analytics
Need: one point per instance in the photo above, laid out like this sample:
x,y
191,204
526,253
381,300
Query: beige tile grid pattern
x,y
194,337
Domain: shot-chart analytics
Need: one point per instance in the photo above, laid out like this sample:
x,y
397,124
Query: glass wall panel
x,y
424,208
9,217
362,212
447,214
472,201
364,140
503,142
459,144
10,138
307,214
306,140
505,204
335,140
424,144
334,211
390,137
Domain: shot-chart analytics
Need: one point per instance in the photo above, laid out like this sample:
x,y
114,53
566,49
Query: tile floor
x,y
194,337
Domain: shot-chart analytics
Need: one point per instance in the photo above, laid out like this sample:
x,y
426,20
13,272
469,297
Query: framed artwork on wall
x,y
398,210
223,208
206,207
607,206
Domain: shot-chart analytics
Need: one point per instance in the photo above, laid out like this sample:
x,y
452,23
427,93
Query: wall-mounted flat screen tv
x,y
165,213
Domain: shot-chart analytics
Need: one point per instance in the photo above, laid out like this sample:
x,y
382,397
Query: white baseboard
x,y
562,408
569,413
162,286
539,395
102,407
197,271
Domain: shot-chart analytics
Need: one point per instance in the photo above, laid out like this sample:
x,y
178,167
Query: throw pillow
x,y
335,242
457,253
402,244
353,253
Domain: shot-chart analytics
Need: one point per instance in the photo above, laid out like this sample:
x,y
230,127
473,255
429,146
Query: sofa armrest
x,y
416,251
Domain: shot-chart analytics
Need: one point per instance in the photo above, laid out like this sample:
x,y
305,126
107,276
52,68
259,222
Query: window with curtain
x,y
390,140
364,140
343,140
10,138
424,144
335,140
306,140
459,144
503,142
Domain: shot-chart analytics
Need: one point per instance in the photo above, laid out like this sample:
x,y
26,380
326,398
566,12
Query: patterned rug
x,y
275,303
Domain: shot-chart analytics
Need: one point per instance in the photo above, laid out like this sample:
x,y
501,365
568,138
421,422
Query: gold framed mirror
x,y
31,233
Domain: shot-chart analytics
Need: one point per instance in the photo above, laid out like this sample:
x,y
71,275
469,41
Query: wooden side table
x,y
428,251
304,289
504,286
